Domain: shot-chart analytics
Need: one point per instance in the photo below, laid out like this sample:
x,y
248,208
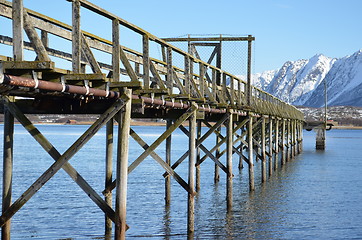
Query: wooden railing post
x,y
18,26
202,82
187,74
76,37
146,62
116,49
169,83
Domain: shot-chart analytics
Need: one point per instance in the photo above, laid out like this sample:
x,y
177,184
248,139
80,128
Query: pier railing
x,y
149,76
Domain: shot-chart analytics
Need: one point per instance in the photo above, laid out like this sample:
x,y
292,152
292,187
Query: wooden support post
x,y
282,143
122,168
300,137
146,62
229,163
191,176
295,137
116,51
270,146
217,154
76,37
109,170
168,162
276,144
241,146
250,150
198,157
288,141
7,169
18,26
263,153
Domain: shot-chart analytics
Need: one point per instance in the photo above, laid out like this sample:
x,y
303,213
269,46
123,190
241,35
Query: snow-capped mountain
x,y
302,82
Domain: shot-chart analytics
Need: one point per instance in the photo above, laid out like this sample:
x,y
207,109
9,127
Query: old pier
x,y
136,85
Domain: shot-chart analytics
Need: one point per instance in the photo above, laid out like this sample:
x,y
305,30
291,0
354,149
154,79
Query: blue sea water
x,y
317,195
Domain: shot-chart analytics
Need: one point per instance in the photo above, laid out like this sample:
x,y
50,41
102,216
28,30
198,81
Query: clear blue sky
x,y
284,29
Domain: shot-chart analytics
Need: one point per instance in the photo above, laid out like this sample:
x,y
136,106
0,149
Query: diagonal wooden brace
x,y
207,152
198,142
52,151
163,164
156,143
54,168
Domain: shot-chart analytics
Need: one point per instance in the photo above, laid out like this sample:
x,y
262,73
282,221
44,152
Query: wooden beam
x,y
168,162
116,51
191,174
122,168
271,162
157,76
7,169
76,37
194,39
229,163
109,173
18,26
263,151
89,55
35,39
250,151
146,62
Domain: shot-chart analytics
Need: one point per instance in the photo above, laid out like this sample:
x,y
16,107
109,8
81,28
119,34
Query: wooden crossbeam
x,y
54,153
157,142
207,152
159,160
54,168
199,141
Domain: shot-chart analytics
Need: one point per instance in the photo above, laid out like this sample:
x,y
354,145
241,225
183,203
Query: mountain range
x,y
302,82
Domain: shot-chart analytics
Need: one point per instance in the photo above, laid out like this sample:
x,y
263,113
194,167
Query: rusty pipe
x,y
87,91
58,87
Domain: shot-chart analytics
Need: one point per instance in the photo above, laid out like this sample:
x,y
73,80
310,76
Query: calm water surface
x,y
316,196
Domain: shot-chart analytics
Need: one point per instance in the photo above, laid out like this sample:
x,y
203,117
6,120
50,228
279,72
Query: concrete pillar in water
x,y
320,143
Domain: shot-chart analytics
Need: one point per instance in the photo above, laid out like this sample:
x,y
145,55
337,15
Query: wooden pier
x,y
135,85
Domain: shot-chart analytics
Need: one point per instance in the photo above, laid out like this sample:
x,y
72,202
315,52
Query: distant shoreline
x,y
151,123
